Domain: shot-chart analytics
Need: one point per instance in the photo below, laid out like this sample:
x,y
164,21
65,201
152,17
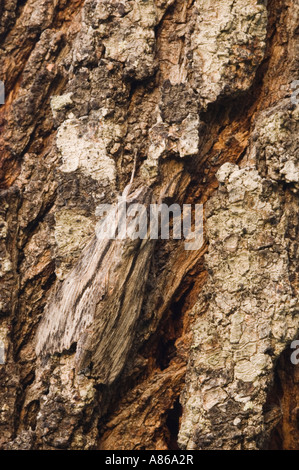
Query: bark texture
x,y
142,344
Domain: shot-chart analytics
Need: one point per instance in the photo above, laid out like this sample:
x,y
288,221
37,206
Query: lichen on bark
x,y
146,345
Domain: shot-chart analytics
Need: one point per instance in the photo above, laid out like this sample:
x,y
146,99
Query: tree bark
x,y
143,344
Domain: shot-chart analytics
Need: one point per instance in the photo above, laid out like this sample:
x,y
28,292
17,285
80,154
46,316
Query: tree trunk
x,y
142,344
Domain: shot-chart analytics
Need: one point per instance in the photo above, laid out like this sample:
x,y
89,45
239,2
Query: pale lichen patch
x,y
251,311
60,102
227,44
78,152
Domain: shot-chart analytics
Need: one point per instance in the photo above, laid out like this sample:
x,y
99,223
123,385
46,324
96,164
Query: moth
x,y
97,306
